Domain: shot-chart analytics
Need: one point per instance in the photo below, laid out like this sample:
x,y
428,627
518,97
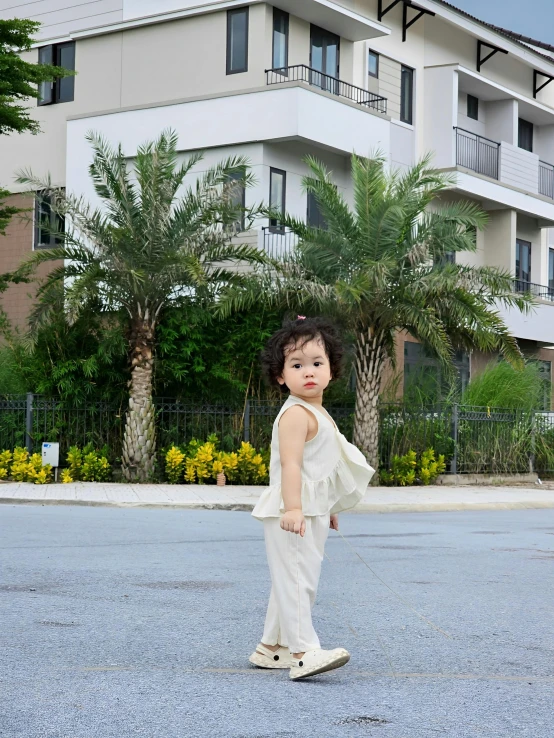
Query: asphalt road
x,y
119,623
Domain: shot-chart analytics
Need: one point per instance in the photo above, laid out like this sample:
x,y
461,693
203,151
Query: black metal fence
x,y
279,243
477,153
472,439
537,290
546,179
303,73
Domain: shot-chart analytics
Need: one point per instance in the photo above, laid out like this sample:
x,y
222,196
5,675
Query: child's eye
x,y
296,366
317,363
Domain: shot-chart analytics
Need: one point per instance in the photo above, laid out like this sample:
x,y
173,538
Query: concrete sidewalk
x,y
235,497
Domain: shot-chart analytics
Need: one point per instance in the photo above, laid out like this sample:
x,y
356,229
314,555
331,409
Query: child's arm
x,y
293,430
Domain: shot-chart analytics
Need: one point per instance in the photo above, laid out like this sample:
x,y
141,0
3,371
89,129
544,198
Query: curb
x,y
248,507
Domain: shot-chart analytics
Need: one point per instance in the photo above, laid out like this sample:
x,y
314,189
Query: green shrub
x,y
408,470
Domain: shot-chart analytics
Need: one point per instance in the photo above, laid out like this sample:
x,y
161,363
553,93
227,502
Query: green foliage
x,y
22,467
87,465
500,385
19,79
408,469
6,211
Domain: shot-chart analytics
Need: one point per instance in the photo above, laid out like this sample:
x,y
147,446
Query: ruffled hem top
x,y
335,474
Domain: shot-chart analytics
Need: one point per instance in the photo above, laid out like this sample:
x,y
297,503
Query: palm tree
x,y
153,240
381,266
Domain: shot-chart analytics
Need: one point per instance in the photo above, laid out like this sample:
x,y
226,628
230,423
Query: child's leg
x,y
295,566
273,634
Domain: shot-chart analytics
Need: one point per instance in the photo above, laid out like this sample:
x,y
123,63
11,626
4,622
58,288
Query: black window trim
x,y
473,97
528,245
54,239
278,11
530,129
235,11
278,227
405,67
376,55
550,261
54,96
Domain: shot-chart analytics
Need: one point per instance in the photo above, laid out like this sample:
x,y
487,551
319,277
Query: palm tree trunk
x,y
139,440
370,356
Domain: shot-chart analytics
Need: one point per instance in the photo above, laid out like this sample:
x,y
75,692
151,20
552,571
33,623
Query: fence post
x,y
29,423
454,460
247,421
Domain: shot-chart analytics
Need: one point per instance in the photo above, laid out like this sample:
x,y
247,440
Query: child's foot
x,y
271,658
318,661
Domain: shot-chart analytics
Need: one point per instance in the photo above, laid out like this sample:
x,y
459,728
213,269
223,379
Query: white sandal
x,y
318,661
265,658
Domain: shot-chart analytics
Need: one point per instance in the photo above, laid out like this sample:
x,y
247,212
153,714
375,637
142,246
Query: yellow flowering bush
x,y
25,468
87,465
201,462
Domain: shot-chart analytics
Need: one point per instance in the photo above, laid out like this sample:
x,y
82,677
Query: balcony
x,y
314,78
546,179
539,291
278,243
477,153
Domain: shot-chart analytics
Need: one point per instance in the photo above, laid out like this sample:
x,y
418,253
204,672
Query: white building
x,y
275,82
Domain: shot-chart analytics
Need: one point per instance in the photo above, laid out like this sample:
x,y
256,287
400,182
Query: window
x,y
523,264
525,135
237,41
551,272
238,199
424,378
373,64
280,39
406,94
449,257
315,218
62,89
277,188
49,227
473,107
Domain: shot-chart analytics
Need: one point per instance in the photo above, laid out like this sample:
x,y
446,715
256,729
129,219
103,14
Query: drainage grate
x,y
56,624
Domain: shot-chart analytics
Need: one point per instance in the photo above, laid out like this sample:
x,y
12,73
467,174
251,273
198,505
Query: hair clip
x,y
300,317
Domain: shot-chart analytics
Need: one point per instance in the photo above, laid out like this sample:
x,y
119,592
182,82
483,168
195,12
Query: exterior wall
x,y
60,17
500,240
389,85
501,124
15,247
519,168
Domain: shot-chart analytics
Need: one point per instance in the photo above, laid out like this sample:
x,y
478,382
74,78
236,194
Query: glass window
x,y
61,89
314,215
280,39
238,199
277,187
523,263
237,40
406,94
49,227
525,135
424,380
551,272
373,64
473,107
449,257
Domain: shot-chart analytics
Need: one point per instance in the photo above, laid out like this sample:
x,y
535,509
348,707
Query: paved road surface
x,y
138,622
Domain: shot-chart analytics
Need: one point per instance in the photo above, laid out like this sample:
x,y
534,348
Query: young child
x,y
314,474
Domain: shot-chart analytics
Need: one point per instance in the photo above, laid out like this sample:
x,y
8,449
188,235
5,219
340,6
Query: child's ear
x,y
280,380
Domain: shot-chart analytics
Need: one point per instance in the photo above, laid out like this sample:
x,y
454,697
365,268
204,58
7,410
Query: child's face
x,y
307,371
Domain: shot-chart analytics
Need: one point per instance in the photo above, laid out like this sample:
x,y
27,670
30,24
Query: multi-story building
x,y
277,81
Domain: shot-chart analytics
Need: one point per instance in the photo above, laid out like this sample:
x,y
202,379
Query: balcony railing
x,y
546,179
477,153
537,290
278,243
303,73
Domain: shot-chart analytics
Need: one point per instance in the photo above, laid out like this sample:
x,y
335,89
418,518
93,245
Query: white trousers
x,y
295,566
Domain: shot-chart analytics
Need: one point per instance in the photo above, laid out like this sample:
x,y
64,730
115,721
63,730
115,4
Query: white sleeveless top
x,y
335,473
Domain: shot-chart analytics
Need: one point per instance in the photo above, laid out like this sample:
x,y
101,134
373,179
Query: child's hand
x,y
294,522
334,522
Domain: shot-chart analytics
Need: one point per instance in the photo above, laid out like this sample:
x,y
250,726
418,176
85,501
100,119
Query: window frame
x,y
376,55
51,54
54,239
408,120
529,128
313,206
551,270
274,225
230,13
282,13
240,225
527,244
474,100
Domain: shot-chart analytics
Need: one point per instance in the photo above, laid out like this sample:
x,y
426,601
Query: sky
x,y
534,18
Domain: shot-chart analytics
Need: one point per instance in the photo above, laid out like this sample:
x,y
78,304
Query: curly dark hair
x,y
298,333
